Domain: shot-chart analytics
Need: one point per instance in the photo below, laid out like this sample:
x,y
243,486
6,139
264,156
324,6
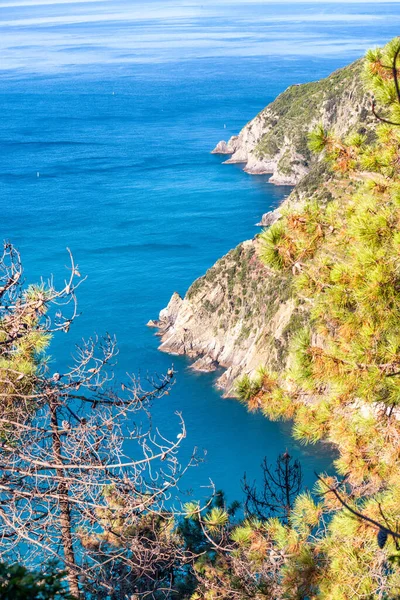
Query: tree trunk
x,y
65,513
286,458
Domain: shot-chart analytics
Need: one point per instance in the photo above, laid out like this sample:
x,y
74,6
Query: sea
x,y
108,112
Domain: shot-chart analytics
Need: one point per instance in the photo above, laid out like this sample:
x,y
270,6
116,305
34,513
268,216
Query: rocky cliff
x,y
240,315
236,316
275,141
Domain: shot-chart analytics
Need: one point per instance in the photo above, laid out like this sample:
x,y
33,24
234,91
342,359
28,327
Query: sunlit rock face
x,y
237,316
275,141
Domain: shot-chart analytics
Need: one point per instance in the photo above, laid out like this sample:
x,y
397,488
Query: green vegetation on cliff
x,y
300,105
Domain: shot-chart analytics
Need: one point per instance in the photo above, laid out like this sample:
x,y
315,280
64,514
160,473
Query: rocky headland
x,y
275,141
240,314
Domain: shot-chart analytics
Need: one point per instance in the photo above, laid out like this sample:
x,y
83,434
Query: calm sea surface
x,y
117,106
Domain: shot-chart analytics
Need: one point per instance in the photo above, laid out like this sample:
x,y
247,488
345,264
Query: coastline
x,y
240,315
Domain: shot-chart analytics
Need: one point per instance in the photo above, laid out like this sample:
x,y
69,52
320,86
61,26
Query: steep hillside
x,y
275,141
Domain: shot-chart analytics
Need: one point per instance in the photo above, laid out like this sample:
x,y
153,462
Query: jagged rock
x,y
152,323
269,218
221,148
205,364
169,314
226,147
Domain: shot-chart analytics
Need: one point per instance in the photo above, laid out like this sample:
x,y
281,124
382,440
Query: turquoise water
x,y
119,120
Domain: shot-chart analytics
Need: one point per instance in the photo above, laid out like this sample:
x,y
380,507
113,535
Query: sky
x,y
54,35
8,3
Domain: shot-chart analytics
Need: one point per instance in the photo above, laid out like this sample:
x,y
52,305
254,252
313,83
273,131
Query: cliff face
x,y
237,316
275,141
240,315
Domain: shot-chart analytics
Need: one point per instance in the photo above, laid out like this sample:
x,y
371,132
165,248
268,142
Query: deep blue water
x,y
119,121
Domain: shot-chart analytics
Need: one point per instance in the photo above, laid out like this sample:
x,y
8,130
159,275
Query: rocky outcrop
x,y
269,218
275,141
226,148
237,316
